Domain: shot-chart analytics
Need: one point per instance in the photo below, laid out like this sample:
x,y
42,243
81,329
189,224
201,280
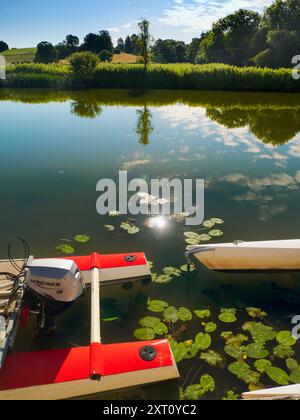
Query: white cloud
x,y
197,15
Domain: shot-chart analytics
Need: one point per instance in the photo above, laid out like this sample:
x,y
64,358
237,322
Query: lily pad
x,y
227,315
208,383
65,249
208,224
216,233
295,376
212,358
114,213
283,352
203,341
194,392
133,230
157,305
171,314
235,352
191,235
285,338
184,314
188,268
82,239
162,279
217,221
172,271
278,375
291,364
144,334
204,238
210,327
256,313
231,396
262,365
244,373
235,340
149,321
109,228
179,350
203,313
260,333
256,351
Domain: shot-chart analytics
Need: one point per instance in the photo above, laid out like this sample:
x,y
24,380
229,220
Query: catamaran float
x,y
95,371
249,256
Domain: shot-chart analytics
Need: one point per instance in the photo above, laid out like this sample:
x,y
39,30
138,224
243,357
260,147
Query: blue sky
x,y
25,23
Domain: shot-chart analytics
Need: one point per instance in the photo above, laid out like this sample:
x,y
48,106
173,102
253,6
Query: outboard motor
x,y
52,286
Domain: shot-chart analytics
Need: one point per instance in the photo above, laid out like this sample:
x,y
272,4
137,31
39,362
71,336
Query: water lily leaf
x,y
144,334
184,314
208,224
172,271
193,351
208,383
160,328
291,364
256,351
114,213
204,238
256,313
235,352
285,338
112,319
65,249
210,327
194,392
256,387
149,321
231,396
83,239
157,305
244,373
295,376
191,235
262,365
171,314
162,279
150,264
227,317
203,341
283,352
133,230
278,375
212,358
179,350
205,313
215,233
188,268
217,221
260,333
235,340
194,241
109,228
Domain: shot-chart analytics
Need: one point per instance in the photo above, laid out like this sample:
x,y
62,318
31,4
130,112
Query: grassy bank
x,y
176,76
19,55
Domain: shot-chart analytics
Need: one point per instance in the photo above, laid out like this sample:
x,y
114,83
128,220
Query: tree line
x,y
242,38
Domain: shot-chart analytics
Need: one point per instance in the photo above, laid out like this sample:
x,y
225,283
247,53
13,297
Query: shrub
x,y
84,65
105,56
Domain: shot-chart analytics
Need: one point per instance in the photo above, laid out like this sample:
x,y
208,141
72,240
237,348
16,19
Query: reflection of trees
x,y
269,125
144,125
86,108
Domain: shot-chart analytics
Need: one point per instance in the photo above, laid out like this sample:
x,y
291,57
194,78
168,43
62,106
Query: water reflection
x,y
144,125
272,118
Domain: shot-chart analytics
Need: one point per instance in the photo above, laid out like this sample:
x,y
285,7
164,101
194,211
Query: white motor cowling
x,y
58,280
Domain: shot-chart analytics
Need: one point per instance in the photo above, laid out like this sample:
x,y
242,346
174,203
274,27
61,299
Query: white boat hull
x,y
249,256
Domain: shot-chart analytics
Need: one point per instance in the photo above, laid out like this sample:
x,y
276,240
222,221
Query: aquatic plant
x,y
82,239
65,249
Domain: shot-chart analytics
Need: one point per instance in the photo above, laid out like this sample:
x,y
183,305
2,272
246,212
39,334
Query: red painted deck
x,y
24,370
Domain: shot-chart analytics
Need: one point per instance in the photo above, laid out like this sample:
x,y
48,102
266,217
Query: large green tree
x,y
3,46
145,42
45,53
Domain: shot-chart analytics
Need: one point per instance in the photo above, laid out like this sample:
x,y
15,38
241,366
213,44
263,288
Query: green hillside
x,y
19,55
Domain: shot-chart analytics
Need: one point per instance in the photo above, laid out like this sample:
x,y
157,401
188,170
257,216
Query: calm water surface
x,y
55,146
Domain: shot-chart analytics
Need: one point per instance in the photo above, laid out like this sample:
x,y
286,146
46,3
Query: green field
x,y
19,55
